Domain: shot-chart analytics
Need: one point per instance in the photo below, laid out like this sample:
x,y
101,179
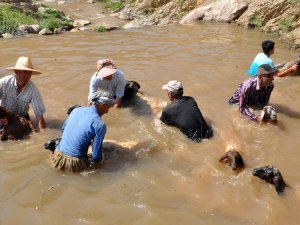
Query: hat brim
x,y
266,73
106,72
34,72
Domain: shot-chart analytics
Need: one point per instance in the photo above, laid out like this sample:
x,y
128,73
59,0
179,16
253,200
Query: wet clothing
x,y
249,93
261,58
184,114
61,161
83,127
116,86
19,104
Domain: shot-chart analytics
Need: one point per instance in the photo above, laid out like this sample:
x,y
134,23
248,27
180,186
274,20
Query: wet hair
x,y
267,46
177,94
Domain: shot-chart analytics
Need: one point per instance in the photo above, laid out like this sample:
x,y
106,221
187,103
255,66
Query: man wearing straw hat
x,y
83,127
108,78
17,92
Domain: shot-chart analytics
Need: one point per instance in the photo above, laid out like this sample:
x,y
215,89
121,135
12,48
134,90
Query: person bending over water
x,y
108,78
183,113
83,127
255,91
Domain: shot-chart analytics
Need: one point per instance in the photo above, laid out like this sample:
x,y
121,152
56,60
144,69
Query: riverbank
x,y
277,17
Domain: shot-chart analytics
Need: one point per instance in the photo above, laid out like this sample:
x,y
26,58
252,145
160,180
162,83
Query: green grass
x,y
11,19
100,29
286,24
113,5
256,21
179,3
52,19
293,1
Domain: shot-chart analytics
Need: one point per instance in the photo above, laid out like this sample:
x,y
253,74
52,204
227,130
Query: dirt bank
x,y
280,17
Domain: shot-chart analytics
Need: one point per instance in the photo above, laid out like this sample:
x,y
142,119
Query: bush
x,y
113,5
286,24
101,29
11,18
256,21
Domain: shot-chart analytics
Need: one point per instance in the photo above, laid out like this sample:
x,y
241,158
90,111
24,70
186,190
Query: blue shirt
x,y
260,59
83,125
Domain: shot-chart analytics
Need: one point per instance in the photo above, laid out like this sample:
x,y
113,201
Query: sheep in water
x,y
17,127
233,158
271,175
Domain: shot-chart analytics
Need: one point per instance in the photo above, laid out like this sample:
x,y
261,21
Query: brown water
x,y
167,179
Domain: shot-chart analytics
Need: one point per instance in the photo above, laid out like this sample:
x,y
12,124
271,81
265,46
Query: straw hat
x,y
106,71
24,63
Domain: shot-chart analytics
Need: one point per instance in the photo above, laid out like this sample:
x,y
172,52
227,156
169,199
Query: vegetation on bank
x,y
11,18
113,5
256,21
101,29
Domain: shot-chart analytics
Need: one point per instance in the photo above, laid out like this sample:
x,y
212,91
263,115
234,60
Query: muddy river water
x,y
166,178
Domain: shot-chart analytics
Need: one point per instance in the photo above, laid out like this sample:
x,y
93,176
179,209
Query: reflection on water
x,y
166,178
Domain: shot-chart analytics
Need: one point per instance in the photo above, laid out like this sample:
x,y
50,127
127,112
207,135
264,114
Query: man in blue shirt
x,y
83,127
268,48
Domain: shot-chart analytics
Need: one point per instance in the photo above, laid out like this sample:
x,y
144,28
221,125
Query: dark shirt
x,y
249,93
184,114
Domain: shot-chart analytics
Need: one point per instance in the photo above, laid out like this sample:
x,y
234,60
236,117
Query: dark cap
x,y
266,69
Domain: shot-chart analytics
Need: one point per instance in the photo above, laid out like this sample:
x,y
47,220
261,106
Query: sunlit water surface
x,y
167,179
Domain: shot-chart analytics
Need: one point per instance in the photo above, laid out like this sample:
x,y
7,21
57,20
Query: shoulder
x,y
94,77
264,58
119,74
250,82
98,124
32,86
9,78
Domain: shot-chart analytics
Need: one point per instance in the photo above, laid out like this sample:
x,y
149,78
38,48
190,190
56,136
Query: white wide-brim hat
x,y
106,71
24,63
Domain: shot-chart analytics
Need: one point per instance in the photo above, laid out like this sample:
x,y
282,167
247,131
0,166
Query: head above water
x,y
266,70
103,100
104,62
174,88
24,64
102,97
268,47
265,74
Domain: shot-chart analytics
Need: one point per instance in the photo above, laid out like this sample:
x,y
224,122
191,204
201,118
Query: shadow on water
x,y
138,106
122,155
54,123
287,111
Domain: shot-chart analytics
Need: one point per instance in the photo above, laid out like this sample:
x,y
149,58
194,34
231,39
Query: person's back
x,y
79,130
260,59
184,114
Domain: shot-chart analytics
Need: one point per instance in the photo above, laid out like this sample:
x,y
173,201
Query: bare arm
x,y
118,102
41,122
285,72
